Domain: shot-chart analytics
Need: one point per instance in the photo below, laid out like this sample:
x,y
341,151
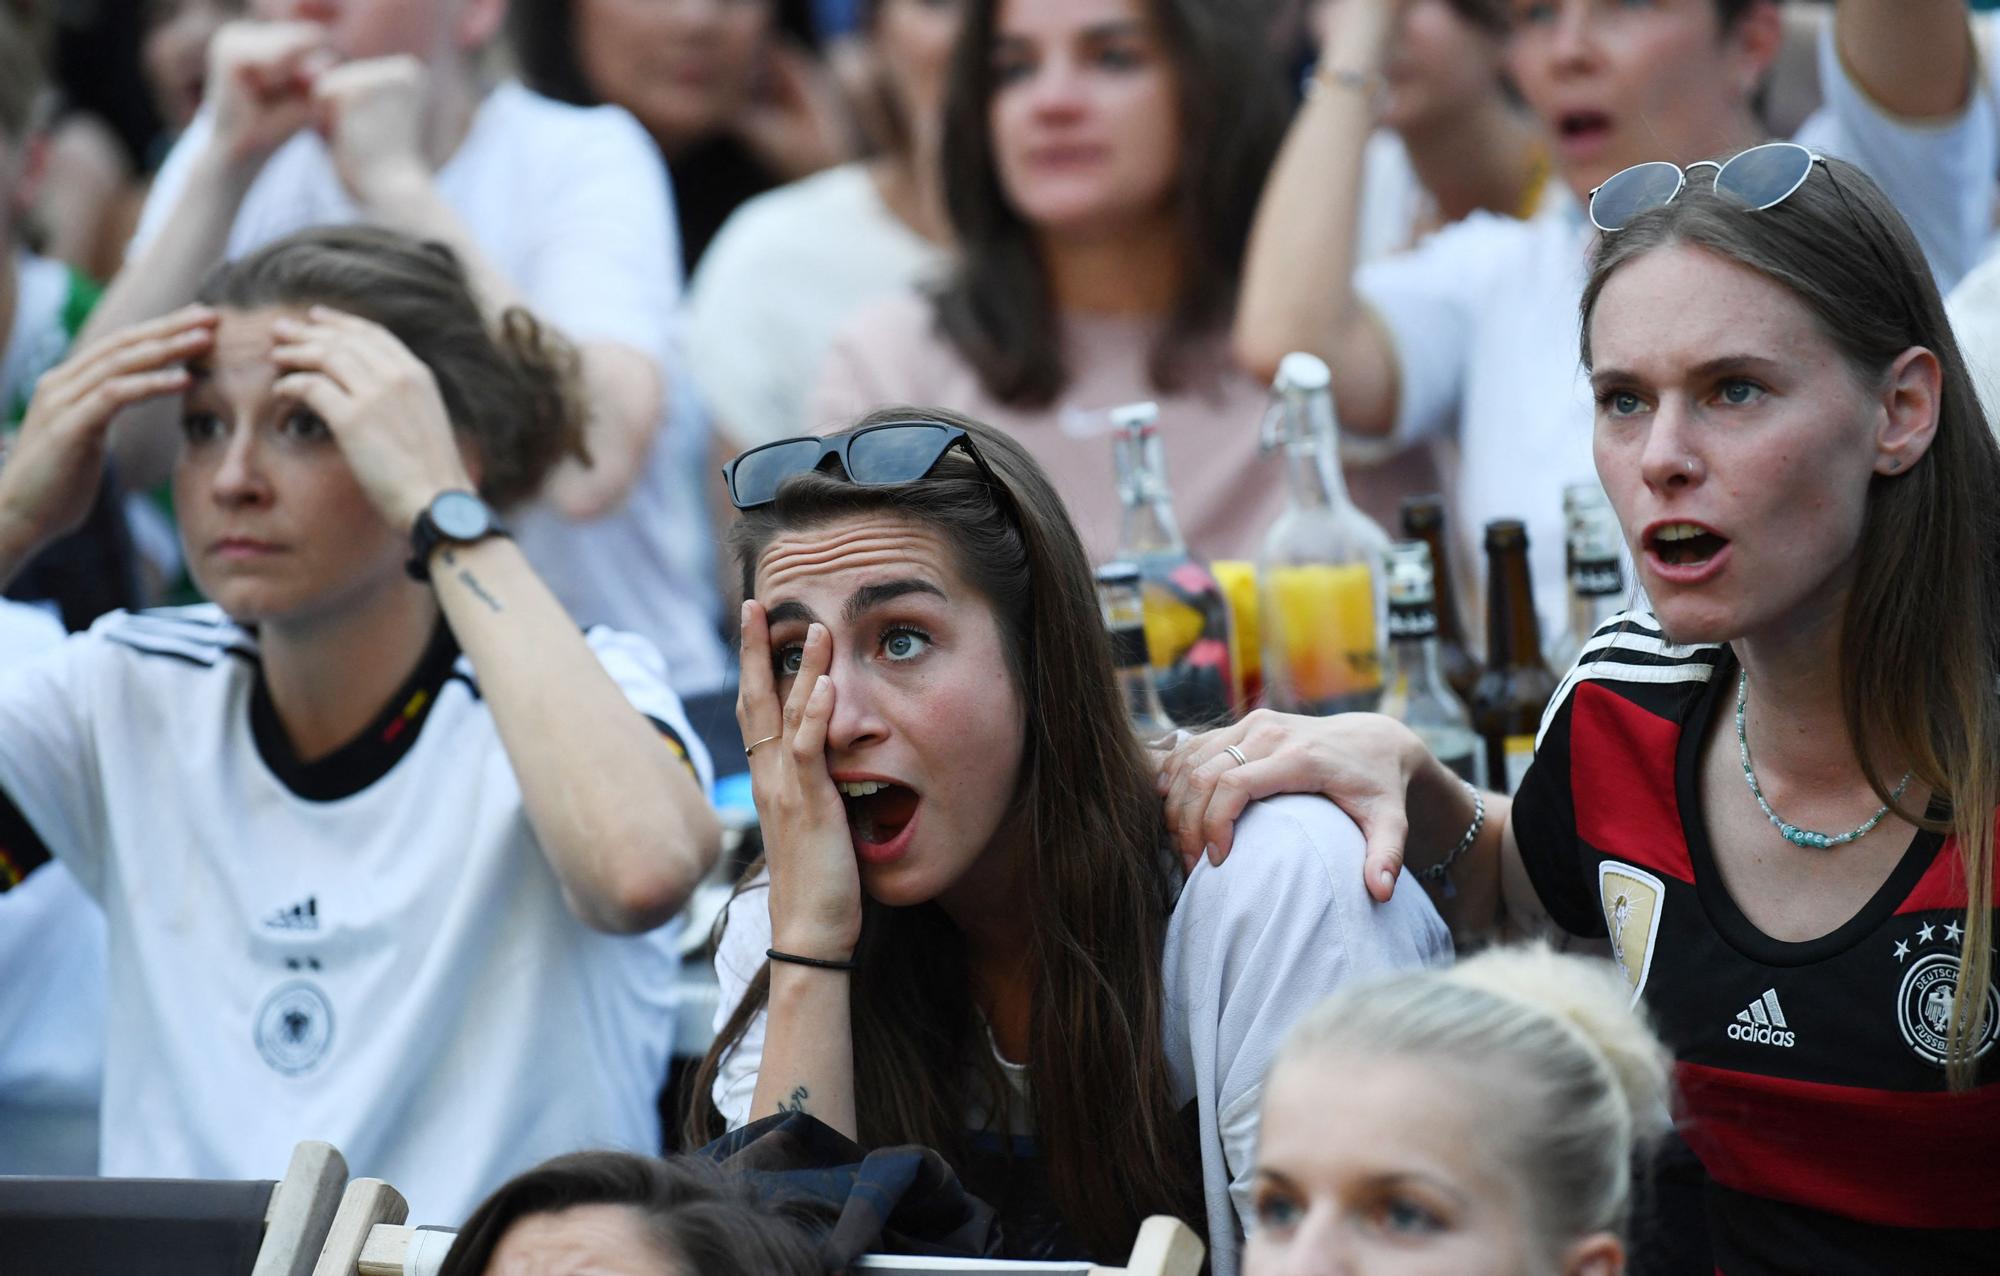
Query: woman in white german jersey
x,y
379,834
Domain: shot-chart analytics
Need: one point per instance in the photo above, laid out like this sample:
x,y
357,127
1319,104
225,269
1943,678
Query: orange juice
x,y
1321,622
1239,585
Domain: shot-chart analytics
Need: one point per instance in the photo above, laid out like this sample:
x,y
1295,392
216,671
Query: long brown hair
x,y
997,309
1930,539
1096,867
509,387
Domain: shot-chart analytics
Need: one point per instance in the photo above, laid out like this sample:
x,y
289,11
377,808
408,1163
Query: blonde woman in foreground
x,y
1472,1120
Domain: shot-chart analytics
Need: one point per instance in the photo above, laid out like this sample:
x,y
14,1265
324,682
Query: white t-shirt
x,y
786,271
52,996
572,205
1483,319
369,949
1251,947
1974,307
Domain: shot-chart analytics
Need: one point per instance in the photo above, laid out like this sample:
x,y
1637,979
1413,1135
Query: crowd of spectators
x,y
365,370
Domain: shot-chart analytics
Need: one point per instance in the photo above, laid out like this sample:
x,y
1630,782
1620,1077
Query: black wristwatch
x,y
456,516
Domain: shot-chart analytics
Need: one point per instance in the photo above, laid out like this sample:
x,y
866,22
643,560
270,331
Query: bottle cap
x,y
1506,533
1422,513
1135,417
1300,371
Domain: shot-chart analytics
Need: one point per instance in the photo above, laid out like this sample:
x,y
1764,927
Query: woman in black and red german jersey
x,y
1774,794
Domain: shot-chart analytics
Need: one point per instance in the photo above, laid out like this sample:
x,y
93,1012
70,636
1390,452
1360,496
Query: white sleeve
x,y
746,934
641,673
727,324
605,266
1253,945
1938,173
48,758
1974,307
170,181
1428,300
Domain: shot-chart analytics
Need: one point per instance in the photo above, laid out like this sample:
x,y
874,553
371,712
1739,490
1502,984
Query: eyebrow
x,y
1702,371
1118,28
859,603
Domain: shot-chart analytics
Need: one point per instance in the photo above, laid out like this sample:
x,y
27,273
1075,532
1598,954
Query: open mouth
x,y
878,812
1582,127
1685,544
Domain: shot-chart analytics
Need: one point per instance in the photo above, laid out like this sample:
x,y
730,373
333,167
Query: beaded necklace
x,y
1791,832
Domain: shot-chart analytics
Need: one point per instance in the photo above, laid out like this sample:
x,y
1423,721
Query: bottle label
x,y
1519,751
1322,618
1597,579
1412,620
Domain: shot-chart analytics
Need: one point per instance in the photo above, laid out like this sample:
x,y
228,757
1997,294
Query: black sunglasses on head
x,y
872,456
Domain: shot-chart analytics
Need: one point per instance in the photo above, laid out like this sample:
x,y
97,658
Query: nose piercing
x,y
1688,465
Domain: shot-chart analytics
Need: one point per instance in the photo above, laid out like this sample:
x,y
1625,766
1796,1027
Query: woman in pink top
x,y
1103,159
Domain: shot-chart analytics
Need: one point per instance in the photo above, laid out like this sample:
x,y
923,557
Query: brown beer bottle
x,y
1508,701
1423,520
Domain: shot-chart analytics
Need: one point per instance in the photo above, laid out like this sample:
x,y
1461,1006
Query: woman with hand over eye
x,y
969,931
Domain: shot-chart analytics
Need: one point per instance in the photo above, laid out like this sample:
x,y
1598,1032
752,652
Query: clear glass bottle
x,y
1596,576
1414,691
1508,702
1316,575
1187,617
1120,594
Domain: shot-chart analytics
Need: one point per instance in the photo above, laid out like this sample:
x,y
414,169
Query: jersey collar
x,y
370,754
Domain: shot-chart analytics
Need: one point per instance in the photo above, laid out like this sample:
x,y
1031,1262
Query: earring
x,y
1894,466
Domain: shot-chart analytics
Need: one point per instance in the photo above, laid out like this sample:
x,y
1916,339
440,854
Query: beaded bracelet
x,y
817,963
1442,869
1340,77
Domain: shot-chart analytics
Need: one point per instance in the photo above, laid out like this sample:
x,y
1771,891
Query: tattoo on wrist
x,y
471,582
796,1102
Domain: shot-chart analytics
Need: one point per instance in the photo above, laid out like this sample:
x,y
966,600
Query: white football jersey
x,y
369,949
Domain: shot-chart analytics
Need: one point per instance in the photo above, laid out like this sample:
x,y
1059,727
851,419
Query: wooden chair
x,y
367,1204
1166,1247
112,1227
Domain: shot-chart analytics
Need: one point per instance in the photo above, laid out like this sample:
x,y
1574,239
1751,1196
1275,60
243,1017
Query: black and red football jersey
x,y
1811,1075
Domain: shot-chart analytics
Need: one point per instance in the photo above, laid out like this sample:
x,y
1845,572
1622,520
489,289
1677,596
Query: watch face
x,y
461,516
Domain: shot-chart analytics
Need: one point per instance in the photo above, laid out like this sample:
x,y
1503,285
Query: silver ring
x,y
1236,753
749,749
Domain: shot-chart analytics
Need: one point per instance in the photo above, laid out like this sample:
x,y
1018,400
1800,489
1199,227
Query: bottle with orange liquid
x,y
1322,651
1187,618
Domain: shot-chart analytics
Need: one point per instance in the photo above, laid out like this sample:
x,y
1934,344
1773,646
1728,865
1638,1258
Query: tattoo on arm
x,y
797,1101
471,582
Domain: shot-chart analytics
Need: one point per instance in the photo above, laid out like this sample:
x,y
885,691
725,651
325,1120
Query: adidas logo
x,y
300,916
1763,1023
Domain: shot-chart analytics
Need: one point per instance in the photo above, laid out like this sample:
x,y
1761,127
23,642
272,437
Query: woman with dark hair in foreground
x,y
969,932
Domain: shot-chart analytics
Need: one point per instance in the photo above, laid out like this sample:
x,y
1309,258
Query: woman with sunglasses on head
x,y
1775,795
970,933
378,831
1466,337
1102,159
